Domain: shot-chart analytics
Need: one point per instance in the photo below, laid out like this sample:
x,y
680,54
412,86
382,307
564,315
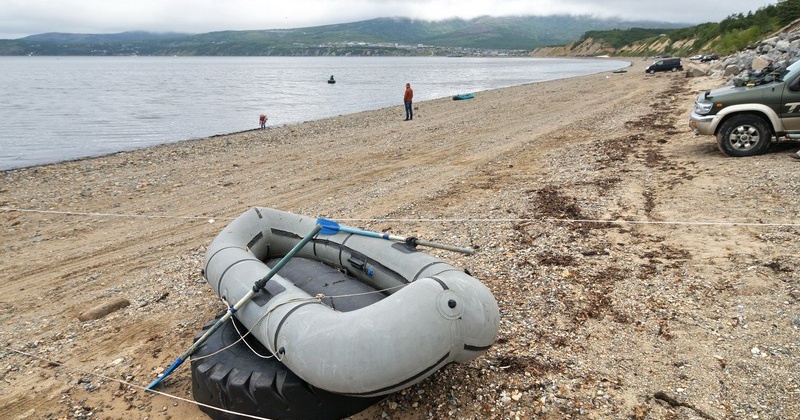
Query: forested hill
x,y
383,36
734,33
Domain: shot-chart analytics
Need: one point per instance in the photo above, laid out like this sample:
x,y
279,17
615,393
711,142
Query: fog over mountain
x,y
24,18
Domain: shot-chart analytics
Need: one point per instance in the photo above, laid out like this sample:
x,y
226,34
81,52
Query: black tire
x,y
240,381
744,135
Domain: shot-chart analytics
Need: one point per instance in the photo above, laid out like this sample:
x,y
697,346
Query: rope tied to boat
x,y
319,297
243,301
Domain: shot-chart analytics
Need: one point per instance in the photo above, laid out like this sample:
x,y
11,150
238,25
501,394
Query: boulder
x,y
694,71
759,63
783,46
732,70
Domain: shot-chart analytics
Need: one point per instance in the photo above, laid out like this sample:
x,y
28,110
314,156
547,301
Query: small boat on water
x,y
331,80
463,96
401,316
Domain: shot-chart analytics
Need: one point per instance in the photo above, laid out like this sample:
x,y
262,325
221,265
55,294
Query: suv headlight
x,y
702,107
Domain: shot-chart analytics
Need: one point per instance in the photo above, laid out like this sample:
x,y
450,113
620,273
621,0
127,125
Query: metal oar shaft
x,y
220,322
256,287
444,246
414,241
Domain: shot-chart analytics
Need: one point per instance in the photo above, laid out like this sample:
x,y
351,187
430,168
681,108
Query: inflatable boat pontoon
x,y
421,315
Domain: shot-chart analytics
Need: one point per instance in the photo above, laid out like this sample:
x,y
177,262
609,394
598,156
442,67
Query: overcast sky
x,y
19,18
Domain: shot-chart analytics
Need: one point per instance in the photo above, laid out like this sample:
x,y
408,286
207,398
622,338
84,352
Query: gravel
x,y
640,273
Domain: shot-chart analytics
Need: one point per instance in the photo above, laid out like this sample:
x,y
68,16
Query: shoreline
x,y
233,133
598,319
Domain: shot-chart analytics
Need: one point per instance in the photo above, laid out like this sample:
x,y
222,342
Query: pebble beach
x,y
640,273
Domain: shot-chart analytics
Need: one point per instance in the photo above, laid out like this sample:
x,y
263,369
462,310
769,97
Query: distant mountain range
x,y
383,36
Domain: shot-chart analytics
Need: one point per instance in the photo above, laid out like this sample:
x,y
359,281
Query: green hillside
x,y
384,36
734,33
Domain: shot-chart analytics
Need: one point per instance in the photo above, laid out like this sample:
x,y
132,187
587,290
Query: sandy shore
x,y
690,309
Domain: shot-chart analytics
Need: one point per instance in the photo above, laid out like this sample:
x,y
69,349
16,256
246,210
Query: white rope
x,y
78,213
241,338
321,296
318,297
433,220
132,385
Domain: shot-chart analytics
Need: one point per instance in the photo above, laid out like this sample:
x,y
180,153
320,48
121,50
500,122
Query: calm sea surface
x,y
62,108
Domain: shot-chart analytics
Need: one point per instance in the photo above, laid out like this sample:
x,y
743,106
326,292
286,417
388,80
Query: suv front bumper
x,y
702,124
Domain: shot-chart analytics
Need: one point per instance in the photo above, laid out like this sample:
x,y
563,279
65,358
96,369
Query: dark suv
x,y
665,64
747,116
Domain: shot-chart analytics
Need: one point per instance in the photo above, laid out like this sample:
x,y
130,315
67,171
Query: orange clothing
x,y
409,94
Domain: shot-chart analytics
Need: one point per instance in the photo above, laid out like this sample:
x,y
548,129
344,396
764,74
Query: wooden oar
x,y
329,227
256,288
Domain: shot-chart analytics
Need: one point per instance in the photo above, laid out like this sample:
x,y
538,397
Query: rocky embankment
x,y
780,50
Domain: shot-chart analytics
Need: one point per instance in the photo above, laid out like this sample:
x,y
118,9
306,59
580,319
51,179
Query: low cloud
x,y
27,17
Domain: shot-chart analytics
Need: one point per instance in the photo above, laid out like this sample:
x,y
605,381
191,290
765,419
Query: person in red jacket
x,y
262,121
409,95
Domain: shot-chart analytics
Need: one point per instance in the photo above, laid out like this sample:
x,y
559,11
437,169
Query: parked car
x,y
709,57
748,116
665,64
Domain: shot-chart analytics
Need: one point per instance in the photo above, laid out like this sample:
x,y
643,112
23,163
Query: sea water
x,y
64,108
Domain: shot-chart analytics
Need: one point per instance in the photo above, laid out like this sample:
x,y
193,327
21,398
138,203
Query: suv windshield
x,y
789,70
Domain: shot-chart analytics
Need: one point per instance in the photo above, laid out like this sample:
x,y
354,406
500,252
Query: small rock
x,y
103,309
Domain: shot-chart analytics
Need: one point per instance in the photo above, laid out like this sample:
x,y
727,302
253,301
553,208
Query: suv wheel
x,y
744,135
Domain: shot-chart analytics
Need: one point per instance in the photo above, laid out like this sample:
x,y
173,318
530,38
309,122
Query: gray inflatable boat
x,y
406,315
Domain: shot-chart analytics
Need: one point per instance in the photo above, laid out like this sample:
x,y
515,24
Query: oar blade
x,y
166,373
329,227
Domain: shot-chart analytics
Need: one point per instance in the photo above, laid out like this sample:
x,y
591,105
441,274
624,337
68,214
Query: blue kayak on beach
x,y
463,96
